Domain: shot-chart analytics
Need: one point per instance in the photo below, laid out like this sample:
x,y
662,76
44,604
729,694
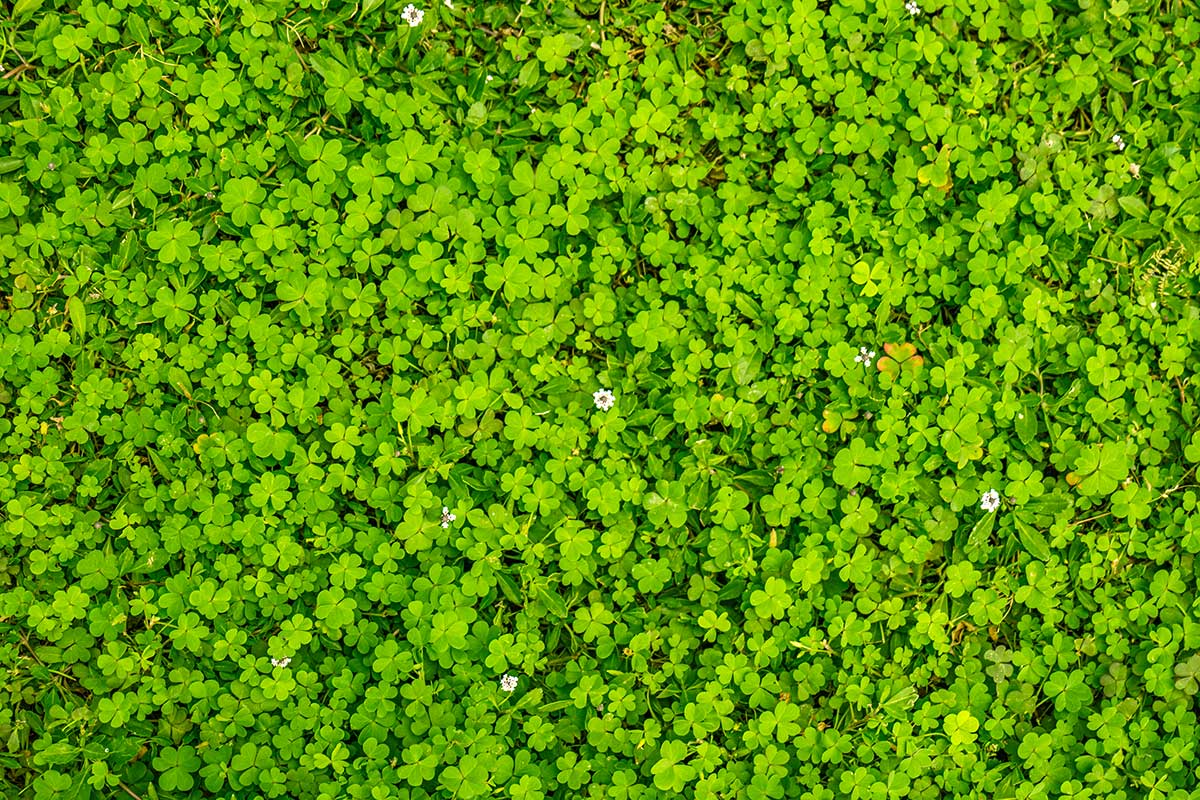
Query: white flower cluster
x,y
412,15
912,8
990,500
1116,140
603,399
508,683
280,662
447,517
864,356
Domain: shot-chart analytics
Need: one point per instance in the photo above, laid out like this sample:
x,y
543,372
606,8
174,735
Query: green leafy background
x,y
281,280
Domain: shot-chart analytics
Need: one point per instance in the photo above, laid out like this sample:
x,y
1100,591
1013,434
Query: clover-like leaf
x,y
900,358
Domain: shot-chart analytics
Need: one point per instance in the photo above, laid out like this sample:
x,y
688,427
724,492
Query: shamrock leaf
x,y
174,240
1187,675
670,774
177,766
900,358
937,173
1100,469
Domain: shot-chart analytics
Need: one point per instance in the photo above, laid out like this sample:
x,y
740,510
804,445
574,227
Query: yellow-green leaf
x,y
78,315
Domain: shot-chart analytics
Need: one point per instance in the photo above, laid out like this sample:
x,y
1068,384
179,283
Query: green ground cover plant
x,y
602,399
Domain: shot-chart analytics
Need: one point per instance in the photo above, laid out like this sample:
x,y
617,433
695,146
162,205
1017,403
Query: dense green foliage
x,y
308,481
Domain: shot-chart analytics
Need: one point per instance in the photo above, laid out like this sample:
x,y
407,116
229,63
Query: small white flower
x,y
1116,139
1135,170
603,399
864,356
449,4
990,500
412,15
508,683
280,662
51,166
447,517
912,8
489,78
